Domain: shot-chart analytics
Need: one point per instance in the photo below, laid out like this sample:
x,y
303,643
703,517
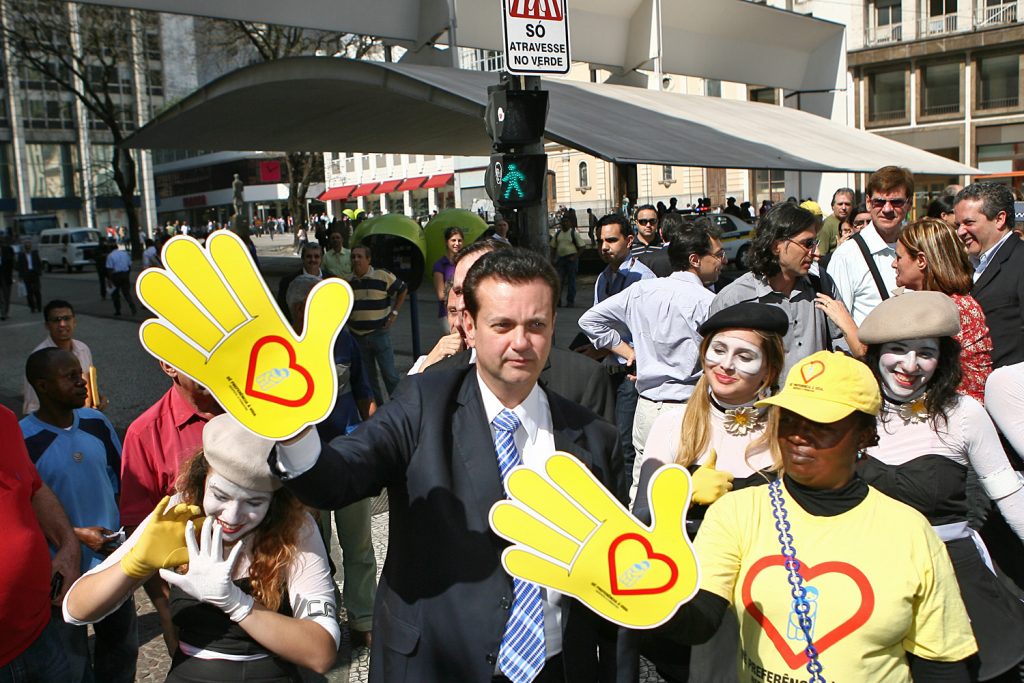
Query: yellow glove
x,y
710,484
162,543
573,536
218,324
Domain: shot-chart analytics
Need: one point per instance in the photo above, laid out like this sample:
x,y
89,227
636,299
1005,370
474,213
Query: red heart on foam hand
x,y
292,367
653,557
797,660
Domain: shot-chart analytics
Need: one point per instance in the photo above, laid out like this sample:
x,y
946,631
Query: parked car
x,y
736,236
68,247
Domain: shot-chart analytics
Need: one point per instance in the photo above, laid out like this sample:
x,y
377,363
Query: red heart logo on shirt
x,y
265,373
634,564
797,660
811,370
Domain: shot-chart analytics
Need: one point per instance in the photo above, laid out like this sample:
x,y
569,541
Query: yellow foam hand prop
x,y
573,536
162,543
710,484
218,324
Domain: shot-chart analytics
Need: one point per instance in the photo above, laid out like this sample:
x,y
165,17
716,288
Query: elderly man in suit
x,y
446,610
984,221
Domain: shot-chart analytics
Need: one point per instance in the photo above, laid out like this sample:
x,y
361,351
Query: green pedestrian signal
x,y
515,181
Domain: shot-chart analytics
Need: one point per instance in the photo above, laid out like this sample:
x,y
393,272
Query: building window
x,y
584,175
666,173
52,170
770,185
101,171
6,172
712,87
998,81
764,95
888,27
887,96
940,92
941,17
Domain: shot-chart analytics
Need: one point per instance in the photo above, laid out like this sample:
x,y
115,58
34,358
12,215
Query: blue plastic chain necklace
x,y
796,582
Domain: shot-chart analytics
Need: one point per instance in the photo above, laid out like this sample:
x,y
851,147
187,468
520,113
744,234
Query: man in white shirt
x,y
119,266
861,288
60,323
446,601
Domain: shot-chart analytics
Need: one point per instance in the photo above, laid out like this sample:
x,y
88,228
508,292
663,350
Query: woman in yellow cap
x,y
254,595
929,436
829,579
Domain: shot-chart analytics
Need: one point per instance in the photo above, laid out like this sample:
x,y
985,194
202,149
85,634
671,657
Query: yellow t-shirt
x,y
879,583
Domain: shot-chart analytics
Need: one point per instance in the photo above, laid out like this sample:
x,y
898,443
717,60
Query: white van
x,y
68,247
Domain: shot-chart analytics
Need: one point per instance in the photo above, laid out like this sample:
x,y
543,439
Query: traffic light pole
x,y
533,221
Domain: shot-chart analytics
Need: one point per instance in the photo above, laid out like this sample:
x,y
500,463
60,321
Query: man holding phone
x,y
78,455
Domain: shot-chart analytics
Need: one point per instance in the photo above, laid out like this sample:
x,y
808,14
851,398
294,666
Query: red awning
x,y
411,183
387,186
338,193
439,180
364,189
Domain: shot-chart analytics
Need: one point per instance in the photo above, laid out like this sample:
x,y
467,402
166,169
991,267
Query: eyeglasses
x,y
61,319
718,255
897,203
808,244
861,224
646,221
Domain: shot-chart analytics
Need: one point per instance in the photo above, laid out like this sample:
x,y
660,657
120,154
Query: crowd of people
x,y
848,410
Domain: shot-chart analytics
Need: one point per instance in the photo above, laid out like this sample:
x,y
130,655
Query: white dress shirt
x,y
535,441
981,263
853,280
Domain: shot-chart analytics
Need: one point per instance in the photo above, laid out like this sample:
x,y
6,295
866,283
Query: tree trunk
x,y
125,179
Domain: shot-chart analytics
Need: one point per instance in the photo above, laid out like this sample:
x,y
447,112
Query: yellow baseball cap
x,y
812,206
826,387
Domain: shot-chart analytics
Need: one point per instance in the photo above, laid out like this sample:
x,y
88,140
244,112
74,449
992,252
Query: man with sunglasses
x,y
862,266
648,236
780,258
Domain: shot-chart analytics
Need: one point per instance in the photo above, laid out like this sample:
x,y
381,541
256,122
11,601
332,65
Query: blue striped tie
x,y
521,655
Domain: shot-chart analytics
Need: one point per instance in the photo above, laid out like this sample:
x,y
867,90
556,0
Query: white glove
x,y
209,574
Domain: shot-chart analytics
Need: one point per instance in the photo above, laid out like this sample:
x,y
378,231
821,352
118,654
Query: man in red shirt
x,y
30,649
155,445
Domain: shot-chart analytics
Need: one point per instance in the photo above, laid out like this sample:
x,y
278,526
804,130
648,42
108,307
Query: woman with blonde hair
x,y
252,596
726,442
930,257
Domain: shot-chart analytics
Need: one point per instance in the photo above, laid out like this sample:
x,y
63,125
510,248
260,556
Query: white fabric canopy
x,y
732,40
330,104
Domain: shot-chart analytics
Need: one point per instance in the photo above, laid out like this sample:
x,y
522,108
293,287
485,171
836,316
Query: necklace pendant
x,y
78,457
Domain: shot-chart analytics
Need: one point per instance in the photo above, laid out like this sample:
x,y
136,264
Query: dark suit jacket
x,y
29,274
1000,291
6,264
567,373
443,597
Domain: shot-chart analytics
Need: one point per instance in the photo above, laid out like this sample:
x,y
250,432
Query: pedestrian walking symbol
x,y
511,180
536,9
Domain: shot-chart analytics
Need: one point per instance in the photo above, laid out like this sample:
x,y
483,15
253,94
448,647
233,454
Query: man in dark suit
x,y
30,271
444,600
6,275
984,220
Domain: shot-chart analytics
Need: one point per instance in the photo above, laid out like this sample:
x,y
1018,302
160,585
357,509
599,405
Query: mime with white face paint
x,y
241,614
724,441
928,437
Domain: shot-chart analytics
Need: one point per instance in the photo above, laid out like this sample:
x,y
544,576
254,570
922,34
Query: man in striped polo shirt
x,y
378,297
